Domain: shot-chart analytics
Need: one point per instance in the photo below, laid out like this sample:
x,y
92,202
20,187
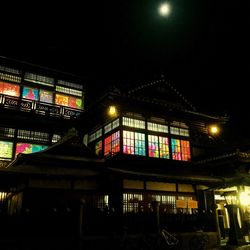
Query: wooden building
x,y
135,161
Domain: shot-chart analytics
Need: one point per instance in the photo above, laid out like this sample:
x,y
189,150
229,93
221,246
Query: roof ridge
x,y
180,95
169,85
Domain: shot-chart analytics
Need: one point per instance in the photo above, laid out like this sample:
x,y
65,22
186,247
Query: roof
x,y
163,170
233,167
69,156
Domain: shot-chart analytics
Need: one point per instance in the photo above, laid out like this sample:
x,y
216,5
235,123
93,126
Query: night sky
x,y
201,47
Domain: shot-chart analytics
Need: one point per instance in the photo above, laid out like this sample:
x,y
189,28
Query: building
x,y
134,161
37,106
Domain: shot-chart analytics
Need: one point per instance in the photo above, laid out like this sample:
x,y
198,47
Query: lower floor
x,y
124,210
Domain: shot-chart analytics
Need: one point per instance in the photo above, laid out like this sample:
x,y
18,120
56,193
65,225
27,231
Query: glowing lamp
x,y
214,129
112,111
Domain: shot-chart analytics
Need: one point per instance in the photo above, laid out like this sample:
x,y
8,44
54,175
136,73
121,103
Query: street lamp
x,y
235,233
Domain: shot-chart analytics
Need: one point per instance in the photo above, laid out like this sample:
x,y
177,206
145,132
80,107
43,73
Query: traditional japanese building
x,y
37,106
135,161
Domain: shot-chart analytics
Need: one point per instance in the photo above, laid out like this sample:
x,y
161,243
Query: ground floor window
x,y
168,203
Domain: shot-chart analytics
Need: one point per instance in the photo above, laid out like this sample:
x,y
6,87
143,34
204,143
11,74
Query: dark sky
x,y
202,47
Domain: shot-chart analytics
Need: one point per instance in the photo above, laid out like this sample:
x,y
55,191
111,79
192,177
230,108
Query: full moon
x,y
164,9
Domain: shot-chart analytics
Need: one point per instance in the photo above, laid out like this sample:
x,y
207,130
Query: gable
x,y
161,92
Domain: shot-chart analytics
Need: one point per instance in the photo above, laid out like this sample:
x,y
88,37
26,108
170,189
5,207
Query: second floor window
x,y
180,150
9,89
112,144
133,143
158,146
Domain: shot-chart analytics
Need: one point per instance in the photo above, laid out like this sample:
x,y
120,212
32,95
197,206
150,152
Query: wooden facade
x,y
142,169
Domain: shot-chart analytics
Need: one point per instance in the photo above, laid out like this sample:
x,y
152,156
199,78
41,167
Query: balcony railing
x,y
37,107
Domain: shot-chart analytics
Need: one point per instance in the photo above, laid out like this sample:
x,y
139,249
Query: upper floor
x,y
151,121
41,91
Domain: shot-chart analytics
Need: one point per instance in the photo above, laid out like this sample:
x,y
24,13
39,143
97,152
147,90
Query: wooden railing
x,y
41,108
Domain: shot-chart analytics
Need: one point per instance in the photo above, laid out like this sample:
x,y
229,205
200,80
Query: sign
x,y
181,203
192,204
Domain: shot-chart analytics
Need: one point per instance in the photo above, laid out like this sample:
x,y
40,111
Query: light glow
x,y
164,9
112,111
214,129
244,199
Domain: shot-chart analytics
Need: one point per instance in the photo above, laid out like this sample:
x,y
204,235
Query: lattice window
x,y
9,89
134,143
98,148
39,79
55,138
131,202
180,150
112,125
158,146
7,132
179,131
112,144
33,135
70,84
6,150
69,91
157,127
11,78
135,123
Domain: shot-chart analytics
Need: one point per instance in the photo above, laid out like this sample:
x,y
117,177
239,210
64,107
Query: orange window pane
x,y
62,100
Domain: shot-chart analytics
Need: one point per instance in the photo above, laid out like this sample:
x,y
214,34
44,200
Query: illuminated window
x,y
11,78
167,203
98,148
10,70
9,89
46,96
75,102
102,201
130,122
164,147
70,84
112,125
158,146
112,144
6,149
27,148
180,150
131,202
62,100
95,135
30,93
157,127
153,146
7,132
179,131
69,91
133,143
68,101
39,79
107,128
33,135
55,138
